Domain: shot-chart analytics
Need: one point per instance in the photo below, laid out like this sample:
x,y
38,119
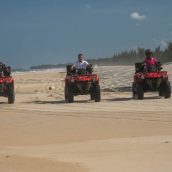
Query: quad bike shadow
x,y
127,90
57,102
125,99
47,102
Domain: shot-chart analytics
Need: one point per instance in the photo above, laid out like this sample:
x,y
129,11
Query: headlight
x,y
142,77
72,80
164,76
94,79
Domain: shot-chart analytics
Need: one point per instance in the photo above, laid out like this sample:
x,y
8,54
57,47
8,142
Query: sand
x,y
41,132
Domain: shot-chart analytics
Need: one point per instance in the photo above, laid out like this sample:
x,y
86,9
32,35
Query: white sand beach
x,y
42,133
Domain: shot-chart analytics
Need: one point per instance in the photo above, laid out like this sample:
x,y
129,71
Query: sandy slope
x,y
40,132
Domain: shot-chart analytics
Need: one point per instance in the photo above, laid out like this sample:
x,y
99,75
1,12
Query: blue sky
x,y
34,32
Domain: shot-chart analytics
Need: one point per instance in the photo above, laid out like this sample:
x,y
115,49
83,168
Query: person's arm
x,y
73,66
143,63
2,66
86,64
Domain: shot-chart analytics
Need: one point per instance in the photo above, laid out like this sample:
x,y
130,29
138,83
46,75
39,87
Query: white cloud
x,y
137,16
171,33
163,44
87,6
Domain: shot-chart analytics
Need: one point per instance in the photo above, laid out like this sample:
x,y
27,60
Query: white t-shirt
x,y
81,65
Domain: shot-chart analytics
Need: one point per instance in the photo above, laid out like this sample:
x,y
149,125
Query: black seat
x,y
69,70
139,67
89,69
7,71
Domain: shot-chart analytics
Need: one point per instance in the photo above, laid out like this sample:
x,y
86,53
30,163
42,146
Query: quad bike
x,y
82,82
153,79
7,84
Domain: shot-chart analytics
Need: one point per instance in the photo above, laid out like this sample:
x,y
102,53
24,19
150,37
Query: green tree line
x,y
124,58
131,56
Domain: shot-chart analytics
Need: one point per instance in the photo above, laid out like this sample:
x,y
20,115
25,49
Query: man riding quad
x,y
80,80
81,66
5,70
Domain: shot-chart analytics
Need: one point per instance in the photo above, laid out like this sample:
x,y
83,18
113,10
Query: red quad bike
x,y
151,80
81,83
7,84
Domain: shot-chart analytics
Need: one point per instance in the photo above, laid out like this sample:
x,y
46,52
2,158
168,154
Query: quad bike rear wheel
x,y
69,96
97,93
11,94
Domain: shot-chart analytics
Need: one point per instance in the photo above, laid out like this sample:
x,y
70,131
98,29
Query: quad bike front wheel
x,y
69,96
97,93
167,90
134,91
138,91
92,96
11,94
65,94
161,90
